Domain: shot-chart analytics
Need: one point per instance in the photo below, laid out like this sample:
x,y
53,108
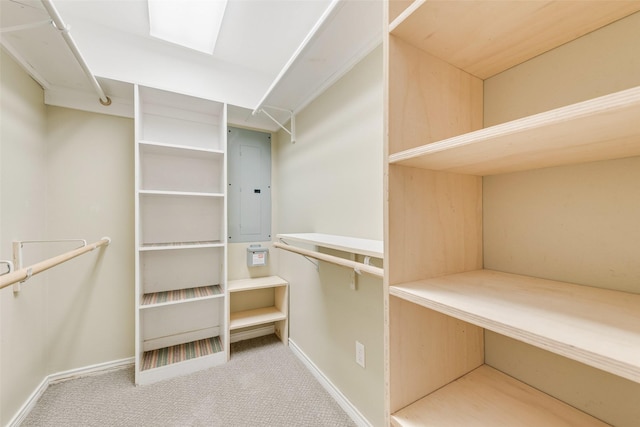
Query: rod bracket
x,y
292,120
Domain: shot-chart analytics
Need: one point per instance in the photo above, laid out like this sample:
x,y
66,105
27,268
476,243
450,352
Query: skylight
x,y
194,24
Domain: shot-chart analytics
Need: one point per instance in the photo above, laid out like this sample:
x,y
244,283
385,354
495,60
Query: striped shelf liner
x,y
179,353
181,294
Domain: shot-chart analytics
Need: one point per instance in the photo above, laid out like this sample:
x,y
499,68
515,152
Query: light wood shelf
x,y
486,37
602,128
487,397
445,314
258,316
595,326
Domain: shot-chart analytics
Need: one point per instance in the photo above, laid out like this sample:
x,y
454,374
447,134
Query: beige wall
x,y
575,223
23,216
64,174
330,181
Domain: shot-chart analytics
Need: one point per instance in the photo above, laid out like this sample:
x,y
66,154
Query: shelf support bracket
x,y
292,120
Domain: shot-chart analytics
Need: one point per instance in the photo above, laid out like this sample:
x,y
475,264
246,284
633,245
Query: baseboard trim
x,y
252,333
340,398
71,374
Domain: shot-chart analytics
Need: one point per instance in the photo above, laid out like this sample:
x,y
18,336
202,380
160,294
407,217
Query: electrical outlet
x,y
360,353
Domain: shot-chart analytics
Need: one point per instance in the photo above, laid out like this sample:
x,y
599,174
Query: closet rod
x,y
64,30
25,273
357,266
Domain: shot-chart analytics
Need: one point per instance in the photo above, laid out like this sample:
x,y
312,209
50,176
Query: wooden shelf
x,y
595,326
487,397
255,283
259,316
599,129
367,247
180,353
458,32
178,296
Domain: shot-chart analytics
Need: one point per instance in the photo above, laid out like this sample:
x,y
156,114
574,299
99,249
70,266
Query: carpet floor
x,y
264,384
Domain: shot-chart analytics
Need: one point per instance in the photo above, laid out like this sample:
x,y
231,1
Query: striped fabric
x,y
178,353
181,294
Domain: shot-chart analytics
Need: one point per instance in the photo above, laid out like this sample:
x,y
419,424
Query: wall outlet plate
x,y
360,353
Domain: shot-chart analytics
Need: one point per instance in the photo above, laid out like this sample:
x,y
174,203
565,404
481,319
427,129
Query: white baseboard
x,y
252,333
340,398
71,374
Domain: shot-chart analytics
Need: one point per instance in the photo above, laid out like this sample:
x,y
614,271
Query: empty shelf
x,y
177,296
260,316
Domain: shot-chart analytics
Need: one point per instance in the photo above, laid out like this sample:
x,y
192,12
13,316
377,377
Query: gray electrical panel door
x,y
249,179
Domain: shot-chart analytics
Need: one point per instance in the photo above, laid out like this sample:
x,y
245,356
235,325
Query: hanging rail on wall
x,y
64,31
358,267
23,274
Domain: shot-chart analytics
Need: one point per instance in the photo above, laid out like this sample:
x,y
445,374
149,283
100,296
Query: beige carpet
x,y
264,384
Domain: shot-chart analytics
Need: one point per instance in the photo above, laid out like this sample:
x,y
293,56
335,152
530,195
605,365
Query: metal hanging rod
x,y
358,267
24,274
59,24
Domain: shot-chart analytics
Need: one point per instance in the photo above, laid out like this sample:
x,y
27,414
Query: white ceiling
x,y
270,52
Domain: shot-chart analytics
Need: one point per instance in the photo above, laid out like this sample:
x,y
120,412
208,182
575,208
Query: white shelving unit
x,y
278,313
181,307
439,306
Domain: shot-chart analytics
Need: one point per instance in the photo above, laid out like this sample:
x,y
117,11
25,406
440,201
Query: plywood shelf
x,y
259,316
599,129
487,397
487,37
179,193
595,326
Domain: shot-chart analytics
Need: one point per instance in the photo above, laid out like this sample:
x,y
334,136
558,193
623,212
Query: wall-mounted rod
x,y
25,273
64,30
357,266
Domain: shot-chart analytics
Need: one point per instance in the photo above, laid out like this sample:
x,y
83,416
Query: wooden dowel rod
x,y
364,268
22,274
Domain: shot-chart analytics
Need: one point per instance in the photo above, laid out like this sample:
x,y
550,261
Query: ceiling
x,y
279,53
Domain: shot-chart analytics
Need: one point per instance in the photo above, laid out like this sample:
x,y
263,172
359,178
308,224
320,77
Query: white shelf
x,y
179,193
259,316
181,245
180,204
487,37
175,149
181,296
602,128
595,326
487,397
367,247
256,283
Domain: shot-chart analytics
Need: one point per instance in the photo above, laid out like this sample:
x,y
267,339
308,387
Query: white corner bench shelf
x,y
181,303
278,314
